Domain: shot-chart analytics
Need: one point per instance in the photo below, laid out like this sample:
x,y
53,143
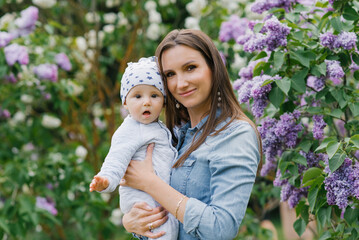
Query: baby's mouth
x,y
146,113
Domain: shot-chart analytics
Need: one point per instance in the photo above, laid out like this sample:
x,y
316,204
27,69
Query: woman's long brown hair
x,y
221,83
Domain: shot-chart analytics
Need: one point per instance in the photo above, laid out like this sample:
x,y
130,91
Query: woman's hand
x,y
140,173
142,219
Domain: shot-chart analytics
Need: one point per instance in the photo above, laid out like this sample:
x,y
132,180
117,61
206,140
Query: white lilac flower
x,y
239,62
195,7
112,3
153,31
192,23
110,18
116,217
150,5
50,121
154,17
92,17
122,20
81,43
109,28
18,117
73,88
6,19
81,152
25,98
44,3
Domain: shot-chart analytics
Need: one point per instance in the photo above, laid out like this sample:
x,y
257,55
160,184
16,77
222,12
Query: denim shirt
x,y
218,178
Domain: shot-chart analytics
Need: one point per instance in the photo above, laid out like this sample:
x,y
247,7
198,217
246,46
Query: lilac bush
x,y
300,87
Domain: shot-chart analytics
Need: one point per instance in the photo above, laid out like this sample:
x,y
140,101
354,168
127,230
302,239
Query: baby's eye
x,y
169,74
137,96
154,95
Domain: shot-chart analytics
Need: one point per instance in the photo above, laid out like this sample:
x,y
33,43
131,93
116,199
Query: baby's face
x,y
144,103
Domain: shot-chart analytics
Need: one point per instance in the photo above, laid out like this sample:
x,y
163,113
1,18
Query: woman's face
x,y
189,79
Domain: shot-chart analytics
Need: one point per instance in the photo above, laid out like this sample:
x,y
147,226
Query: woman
x,y
218,146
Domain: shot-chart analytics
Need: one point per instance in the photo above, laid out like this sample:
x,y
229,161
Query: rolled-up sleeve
x,y
233,162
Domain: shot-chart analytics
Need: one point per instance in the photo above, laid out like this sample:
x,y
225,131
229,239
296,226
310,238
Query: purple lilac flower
x,y
346,40
4,113
26,22
259,6
278,135
10,78
247,72
319,125
332,1
356,154
5,38
334,71
317,83
233,28
16,53
244,92
340,184
46,204
273,34
356,181
46,71
223,57
63,61
327,40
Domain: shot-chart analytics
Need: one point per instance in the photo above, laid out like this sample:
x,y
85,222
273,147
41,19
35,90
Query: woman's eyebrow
x,y
183,65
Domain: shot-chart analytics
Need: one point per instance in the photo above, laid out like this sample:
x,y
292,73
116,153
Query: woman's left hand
x,y
139,173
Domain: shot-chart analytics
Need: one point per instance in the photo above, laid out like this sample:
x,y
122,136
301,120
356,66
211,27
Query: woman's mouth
x,y
185,94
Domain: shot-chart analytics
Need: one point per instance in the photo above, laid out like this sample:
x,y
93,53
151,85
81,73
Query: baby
x,y
142,94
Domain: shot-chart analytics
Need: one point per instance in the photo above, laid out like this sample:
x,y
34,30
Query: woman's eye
x,y
191,67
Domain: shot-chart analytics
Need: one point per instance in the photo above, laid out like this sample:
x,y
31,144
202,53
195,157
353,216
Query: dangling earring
x,y
177,105
219,98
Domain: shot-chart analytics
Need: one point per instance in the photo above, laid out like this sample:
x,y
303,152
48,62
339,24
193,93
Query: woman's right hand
x,y
142,218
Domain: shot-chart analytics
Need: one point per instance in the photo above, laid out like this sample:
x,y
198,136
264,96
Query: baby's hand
x,y
98,183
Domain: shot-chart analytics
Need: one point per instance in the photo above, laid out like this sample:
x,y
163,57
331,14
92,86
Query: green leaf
x,y
323,216
276,96
258,27
259,56
261,66
336,161
339,95
355,58
350,14
4,226
325,235
351,215
356,75
324,143
298,82
312,197
300,159
315,110
311,173
332,148
319,70
3,70
337,113
284,84
299,226
305,145
355,140
304,57
336,24
278,59
354,108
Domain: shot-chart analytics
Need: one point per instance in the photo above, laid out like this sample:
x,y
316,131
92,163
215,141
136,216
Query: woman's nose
x,y
181,81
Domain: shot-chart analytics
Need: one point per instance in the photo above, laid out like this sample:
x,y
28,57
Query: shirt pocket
x,y
186,169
